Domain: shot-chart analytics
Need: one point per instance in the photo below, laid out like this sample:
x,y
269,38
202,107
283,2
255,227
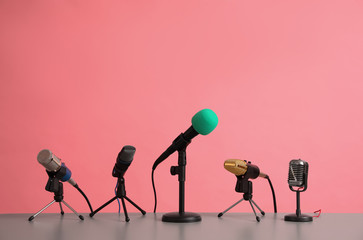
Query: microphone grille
x,y
298,170
126,155
205,121
49,160
44,156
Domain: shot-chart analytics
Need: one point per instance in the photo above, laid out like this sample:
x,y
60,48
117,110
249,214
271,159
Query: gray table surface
x,y
239,226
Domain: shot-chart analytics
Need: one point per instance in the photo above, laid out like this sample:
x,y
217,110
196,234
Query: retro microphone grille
x,y
297,172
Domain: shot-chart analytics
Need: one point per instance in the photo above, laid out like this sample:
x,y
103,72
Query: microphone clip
x,y
181,143
116,173
175,170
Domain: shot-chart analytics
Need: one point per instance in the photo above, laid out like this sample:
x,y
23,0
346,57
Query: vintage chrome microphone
x,y
298,177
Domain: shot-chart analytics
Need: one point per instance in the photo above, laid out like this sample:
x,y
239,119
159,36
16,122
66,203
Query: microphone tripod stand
x,y
244,186
120,193
55,186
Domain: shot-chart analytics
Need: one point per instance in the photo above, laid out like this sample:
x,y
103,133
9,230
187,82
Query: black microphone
x,y
298,177
123,161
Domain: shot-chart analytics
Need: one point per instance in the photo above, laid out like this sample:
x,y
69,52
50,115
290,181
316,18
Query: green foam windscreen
x,y
205,121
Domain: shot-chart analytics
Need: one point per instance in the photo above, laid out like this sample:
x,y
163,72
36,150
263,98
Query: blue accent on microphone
x,y
68,174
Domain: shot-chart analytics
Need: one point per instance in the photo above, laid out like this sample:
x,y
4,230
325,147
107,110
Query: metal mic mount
x,y
54,185
244,186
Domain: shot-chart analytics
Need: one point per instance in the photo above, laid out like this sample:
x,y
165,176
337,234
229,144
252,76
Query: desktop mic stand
x,y
181,216
55,186
120,193
244,186
298,217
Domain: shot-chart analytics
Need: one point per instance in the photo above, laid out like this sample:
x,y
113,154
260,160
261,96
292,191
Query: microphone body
x,y
53,164
243,168
298,174
182,141
123,161
203,122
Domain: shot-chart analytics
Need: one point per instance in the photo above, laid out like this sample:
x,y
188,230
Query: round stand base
x,y
295,218
177,217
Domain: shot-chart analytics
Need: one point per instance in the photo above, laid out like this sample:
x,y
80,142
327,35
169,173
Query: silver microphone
x,y
298,173
53,164
298,177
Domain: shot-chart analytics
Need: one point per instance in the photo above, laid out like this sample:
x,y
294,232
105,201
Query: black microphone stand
x,y
120,193
244,186
55,186
298,217
181,216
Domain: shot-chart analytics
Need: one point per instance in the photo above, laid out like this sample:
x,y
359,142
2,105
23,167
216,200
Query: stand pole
x,y
298,210
181,178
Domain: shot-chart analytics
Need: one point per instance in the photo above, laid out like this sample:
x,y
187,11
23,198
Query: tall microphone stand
x,y
55,186
120,193
179,170
244,186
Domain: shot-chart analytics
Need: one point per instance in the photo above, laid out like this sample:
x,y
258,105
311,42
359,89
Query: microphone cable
x,y
118,201
85,197
152,181
273,193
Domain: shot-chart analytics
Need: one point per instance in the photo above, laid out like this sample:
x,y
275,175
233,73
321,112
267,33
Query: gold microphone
x,y
241,167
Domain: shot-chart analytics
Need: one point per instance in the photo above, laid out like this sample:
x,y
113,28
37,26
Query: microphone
x,y
203,122
123,161
298,177
244,171
53,164
243,168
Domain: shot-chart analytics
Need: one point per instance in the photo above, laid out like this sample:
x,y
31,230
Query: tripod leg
x,y
125,210
135,205
221,214
257,217
80,216
41,210
262,212
60,205
104,205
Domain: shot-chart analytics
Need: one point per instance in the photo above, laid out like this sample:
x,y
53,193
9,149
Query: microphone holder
x,y
298,217
120,193
244,186
55,186
181,216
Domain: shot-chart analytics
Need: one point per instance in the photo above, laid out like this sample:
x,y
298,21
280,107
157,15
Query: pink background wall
x,y
84,78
